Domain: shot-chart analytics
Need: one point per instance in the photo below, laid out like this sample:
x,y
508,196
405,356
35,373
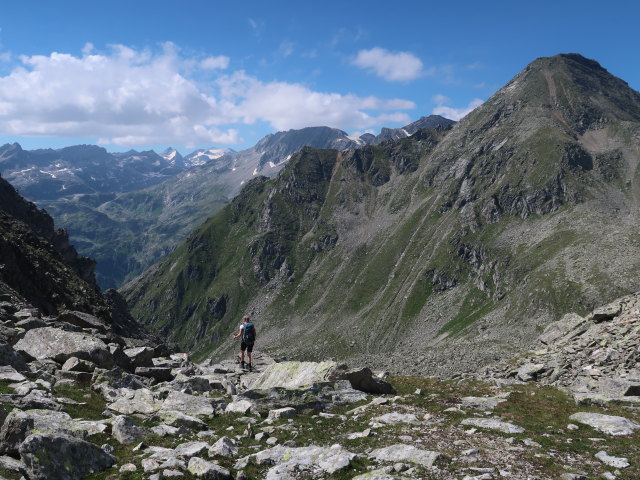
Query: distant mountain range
x,y
129,209
431,254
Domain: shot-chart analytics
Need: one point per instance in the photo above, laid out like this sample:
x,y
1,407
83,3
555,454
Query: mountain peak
x,y
572,92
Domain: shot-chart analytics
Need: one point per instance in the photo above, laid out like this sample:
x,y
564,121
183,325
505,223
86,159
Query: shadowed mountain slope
x,y
433,254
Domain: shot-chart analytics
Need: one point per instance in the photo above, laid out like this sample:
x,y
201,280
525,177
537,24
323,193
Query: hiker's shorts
x,y
246,346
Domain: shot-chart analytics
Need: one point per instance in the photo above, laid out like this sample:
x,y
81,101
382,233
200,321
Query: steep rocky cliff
x,y
39,264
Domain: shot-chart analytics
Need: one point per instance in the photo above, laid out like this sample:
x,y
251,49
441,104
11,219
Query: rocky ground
x,y
79,401
595,357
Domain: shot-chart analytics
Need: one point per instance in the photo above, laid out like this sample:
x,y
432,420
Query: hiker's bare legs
x,y
249,356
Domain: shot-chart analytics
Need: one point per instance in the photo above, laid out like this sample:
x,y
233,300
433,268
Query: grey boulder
x,y
62,457
125,431
83,320
609,424
224,447
140,356
20,424
493,424
201,468
329,459
60,345
405,453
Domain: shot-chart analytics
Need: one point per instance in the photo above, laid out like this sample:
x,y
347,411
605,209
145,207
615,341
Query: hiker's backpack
x,y
248,333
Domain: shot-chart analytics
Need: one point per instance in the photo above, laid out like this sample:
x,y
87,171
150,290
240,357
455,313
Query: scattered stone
x,y
225,447
329,459
81,379
20,424
607,312
191,449
10,463
493,424
381,474
261,436
362,379
166,430
239,406
129,402
8,373
319,396
616,462
208,470
405,453
363,434
169,473
530,371
140,356
484,403
610,424
128,467
192,405
286,412
180,420
395,417
83,320
159,374
299,374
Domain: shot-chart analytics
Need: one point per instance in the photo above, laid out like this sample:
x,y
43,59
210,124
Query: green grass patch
x,y
5,388
475,305
92,404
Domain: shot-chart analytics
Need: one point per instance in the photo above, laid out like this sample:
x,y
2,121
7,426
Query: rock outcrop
x,y
595,357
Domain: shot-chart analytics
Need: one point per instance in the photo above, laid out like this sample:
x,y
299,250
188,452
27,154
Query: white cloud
x,y
440,99
451,112
132,97
288,105
126,97
392,66
214,63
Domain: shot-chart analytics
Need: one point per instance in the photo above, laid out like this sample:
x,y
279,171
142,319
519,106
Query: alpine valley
x,y
127,210
431,254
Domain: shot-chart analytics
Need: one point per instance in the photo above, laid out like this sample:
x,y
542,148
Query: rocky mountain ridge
x,y
49,175
129,232
476,236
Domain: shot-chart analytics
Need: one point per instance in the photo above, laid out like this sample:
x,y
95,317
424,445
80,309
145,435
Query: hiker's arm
x,y
239,332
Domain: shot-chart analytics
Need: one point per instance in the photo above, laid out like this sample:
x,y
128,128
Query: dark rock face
x,y
42,224
39,262
41,269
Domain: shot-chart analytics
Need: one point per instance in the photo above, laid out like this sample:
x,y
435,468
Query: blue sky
x,y
194,73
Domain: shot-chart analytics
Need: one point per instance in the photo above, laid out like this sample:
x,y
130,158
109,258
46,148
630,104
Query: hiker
x,y
248,333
